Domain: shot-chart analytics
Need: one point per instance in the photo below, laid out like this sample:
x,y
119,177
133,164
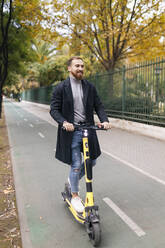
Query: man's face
x,y
76,68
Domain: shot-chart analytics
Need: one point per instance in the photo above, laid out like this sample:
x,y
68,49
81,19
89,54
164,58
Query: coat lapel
x,y
85,88
69,91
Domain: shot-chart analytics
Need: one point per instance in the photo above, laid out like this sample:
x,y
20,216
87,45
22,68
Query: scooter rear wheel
x,y
95,234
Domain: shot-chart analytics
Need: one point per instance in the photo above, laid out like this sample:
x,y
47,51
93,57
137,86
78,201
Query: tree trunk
x,y
2,81
4,29
1,99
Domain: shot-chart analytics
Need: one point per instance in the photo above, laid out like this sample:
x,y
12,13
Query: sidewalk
x,y
140,152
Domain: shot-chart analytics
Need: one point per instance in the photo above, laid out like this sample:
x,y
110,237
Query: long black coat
x,y
62,109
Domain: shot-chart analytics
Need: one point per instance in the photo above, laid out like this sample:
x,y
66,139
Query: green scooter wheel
x,y
95,234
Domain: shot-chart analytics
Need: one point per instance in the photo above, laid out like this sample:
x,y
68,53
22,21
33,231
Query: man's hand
x,y
106,125
68,126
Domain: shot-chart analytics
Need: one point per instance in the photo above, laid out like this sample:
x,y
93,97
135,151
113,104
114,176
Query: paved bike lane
x,y
45,222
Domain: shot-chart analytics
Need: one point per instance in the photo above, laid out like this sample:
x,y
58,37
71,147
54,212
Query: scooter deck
x,y
78,216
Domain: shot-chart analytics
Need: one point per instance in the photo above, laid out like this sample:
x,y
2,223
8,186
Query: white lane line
x,y
124,217
25,119
38,123
136,168
31,125
41,135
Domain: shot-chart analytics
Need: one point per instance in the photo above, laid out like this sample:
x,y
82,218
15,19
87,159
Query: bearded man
x,y
74,102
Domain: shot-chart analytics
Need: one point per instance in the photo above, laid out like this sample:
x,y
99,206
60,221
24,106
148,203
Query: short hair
x,y
72,58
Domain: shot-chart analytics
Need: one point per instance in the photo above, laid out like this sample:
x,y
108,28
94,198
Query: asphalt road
x,y
129,187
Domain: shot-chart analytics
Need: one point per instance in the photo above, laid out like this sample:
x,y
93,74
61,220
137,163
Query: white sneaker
x,y
77,204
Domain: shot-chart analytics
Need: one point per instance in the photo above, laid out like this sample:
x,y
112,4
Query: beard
x,y
78,75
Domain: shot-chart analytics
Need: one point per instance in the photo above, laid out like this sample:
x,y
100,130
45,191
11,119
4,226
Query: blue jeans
x,y
77,168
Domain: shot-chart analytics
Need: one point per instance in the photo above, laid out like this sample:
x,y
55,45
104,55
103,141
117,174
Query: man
x,y
73,102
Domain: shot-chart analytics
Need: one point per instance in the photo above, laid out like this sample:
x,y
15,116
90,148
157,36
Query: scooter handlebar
x,y
82,127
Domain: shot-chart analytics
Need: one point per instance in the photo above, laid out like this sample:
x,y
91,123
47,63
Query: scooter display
x,y
90,216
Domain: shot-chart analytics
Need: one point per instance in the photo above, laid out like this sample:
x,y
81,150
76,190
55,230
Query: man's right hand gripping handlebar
x,y
68,126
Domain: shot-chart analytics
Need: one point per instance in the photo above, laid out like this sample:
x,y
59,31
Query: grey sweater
x,y
77,91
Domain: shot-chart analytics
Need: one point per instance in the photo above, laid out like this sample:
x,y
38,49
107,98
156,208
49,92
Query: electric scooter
x,y
90,216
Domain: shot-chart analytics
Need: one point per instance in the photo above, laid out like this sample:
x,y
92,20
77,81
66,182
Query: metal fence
x,y
134,93
39,95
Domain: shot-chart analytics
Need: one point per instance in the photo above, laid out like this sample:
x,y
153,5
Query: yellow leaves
x,y
103,26
8,190
28,8
30,14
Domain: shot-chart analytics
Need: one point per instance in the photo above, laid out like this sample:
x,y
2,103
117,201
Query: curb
x,y
140,128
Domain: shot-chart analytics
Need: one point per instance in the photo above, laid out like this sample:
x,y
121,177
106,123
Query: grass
x,y
10,236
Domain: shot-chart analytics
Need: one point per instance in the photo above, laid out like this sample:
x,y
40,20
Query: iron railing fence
x,y
134,93
39,95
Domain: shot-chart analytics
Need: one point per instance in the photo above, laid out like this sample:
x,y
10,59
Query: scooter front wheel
x,y
95,234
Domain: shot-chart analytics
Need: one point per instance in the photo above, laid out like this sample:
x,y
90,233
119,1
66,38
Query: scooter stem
x,y
89,201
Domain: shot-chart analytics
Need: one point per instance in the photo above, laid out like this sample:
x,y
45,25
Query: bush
x,y
131,104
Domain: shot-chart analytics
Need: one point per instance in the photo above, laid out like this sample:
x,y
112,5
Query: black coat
x,y
61,109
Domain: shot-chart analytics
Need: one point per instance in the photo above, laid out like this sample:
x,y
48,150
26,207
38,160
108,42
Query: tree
x,y
110,29
5,21
30,15
19,53
49,64
153,44
23,16
44,58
